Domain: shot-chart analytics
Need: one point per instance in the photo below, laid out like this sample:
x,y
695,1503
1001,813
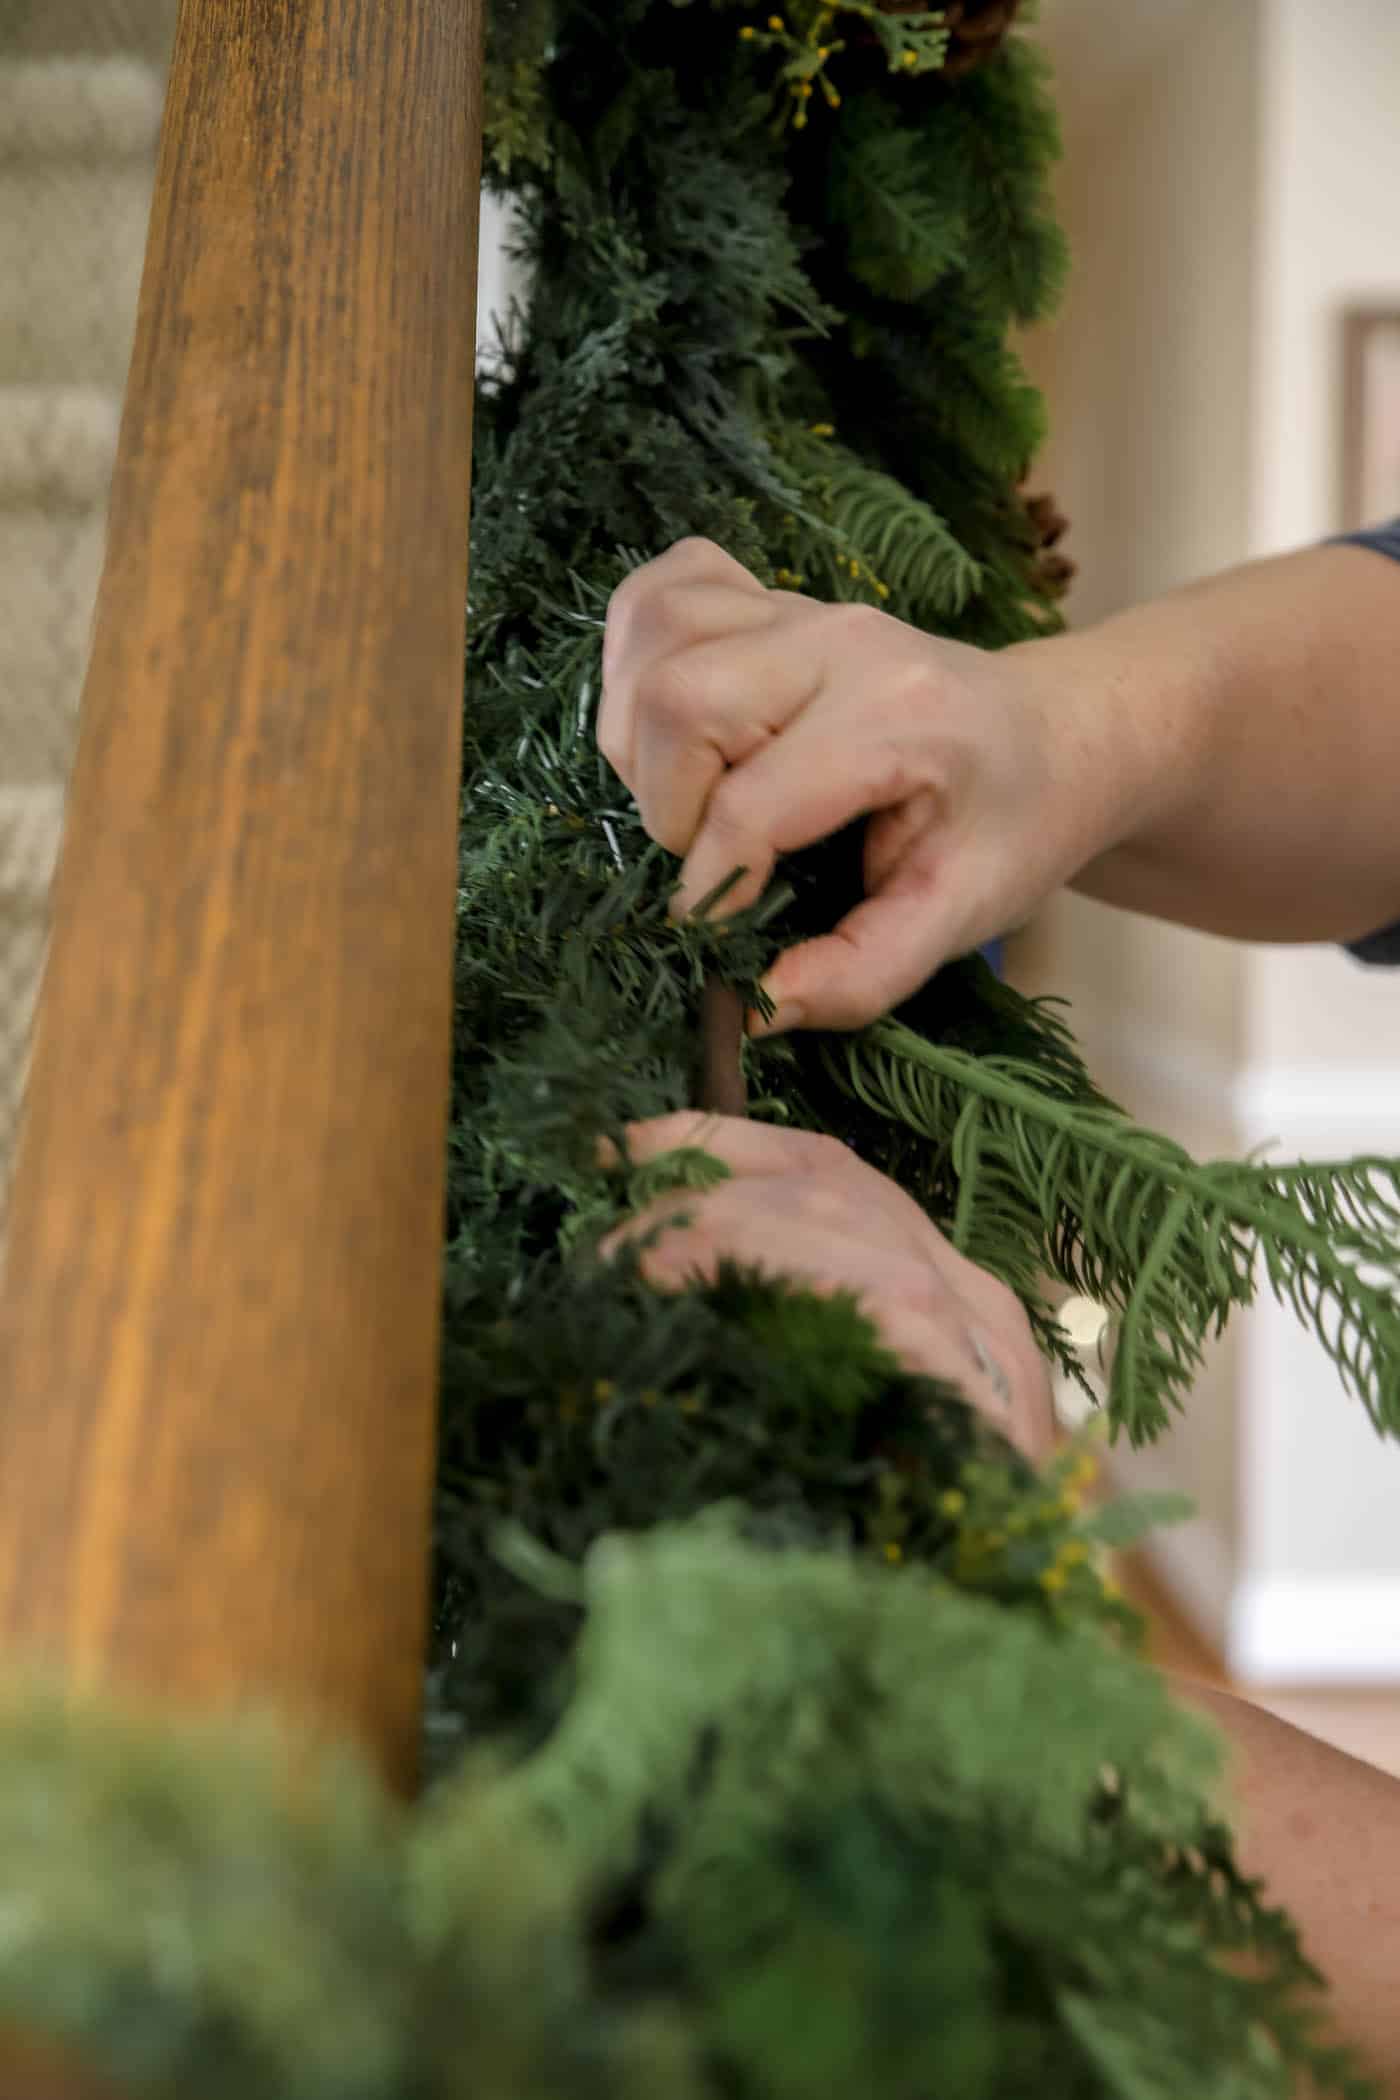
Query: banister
x,y
218,1322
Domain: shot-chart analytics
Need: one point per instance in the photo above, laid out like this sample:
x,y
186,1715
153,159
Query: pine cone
x,y
1054,573
976,28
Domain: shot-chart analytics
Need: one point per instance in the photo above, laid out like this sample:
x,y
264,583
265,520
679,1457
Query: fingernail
x,y
790,1013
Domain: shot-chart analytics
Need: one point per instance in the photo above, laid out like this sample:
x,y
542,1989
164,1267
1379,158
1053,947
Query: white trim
x,y
1290,1630
1278,1632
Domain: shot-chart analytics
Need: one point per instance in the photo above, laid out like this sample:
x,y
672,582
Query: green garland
x,y
791,1736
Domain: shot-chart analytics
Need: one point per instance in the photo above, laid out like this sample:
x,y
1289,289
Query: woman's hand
x,y
749,723
805,1207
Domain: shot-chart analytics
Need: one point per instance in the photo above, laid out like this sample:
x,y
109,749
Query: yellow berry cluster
x,y
859,573
574,1398
982,1540
808,51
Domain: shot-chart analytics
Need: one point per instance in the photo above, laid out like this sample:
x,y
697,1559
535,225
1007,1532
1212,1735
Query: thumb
x,y
879,954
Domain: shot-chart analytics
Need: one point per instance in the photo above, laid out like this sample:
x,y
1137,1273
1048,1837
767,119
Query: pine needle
x,y
1047,1181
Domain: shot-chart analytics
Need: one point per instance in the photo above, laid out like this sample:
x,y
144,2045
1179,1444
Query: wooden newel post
x,y
218,1329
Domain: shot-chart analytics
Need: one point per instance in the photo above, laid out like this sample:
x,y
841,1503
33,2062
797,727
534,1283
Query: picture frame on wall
x,y
1370,490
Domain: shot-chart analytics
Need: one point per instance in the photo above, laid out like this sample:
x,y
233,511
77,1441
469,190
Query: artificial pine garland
x,y
792,1737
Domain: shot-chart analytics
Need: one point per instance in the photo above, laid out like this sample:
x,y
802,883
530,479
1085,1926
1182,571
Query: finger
x,y
702,710
695,1234
743,1146
665,621
691,593
875,959
793,791
772,1152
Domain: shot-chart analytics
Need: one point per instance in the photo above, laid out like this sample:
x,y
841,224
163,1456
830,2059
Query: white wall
x,y
1234,186
1149,373
1233,176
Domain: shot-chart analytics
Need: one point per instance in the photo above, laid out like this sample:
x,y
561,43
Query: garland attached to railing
x,y
792,1738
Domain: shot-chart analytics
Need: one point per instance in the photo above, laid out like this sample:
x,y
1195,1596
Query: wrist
x,y
1129,710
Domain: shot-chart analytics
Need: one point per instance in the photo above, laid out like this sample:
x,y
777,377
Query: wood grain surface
x,y
218,1327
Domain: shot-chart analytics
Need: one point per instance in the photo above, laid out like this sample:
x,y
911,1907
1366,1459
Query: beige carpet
x,y
81,85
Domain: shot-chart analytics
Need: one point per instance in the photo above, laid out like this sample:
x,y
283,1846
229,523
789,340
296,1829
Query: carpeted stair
x,y
81,85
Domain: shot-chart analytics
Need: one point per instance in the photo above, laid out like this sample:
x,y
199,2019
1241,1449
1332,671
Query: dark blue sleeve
x,y
1382,947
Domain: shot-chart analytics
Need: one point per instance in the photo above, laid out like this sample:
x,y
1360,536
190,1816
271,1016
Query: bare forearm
x,y
1250,727
1323,1830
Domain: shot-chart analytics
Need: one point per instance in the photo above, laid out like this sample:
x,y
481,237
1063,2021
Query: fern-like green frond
x,y
900,198
874,530
1050,1181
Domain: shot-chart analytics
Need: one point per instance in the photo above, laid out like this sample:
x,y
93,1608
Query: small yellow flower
x,y
882,590
747,34
603,1390
911,58
799,122
1111,1592
822,430
1073,1553
777,25
1053,1579
690,1405
894,1552
952,1502
805,91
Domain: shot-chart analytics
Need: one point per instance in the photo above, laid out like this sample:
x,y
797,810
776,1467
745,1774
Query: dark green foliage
x,y
780,320
793,1737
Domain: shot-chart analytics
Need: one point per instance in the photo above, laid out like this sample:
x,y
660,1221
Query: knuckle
x,y
822,1203
695,552
916,1286
731,808
670,691
856,627
1012,1320
827,1154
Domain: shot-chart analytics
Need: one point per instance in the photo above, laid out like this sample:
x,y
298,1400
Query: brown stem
x,y
721,1089
34,2068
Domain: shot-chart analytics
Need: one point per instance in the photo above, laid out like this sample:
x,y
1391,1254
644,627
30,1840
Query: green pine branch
x,y
1050,1181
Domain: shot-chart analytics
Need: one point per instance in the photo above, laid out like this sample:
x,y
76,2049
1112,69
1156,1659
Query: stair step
x,y
50,563
31,824
57,445
72,242
93,109
77,28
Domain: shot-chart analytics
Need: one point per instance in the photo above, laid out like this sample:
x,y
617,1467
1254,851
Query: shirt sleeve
x,y
1383,947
